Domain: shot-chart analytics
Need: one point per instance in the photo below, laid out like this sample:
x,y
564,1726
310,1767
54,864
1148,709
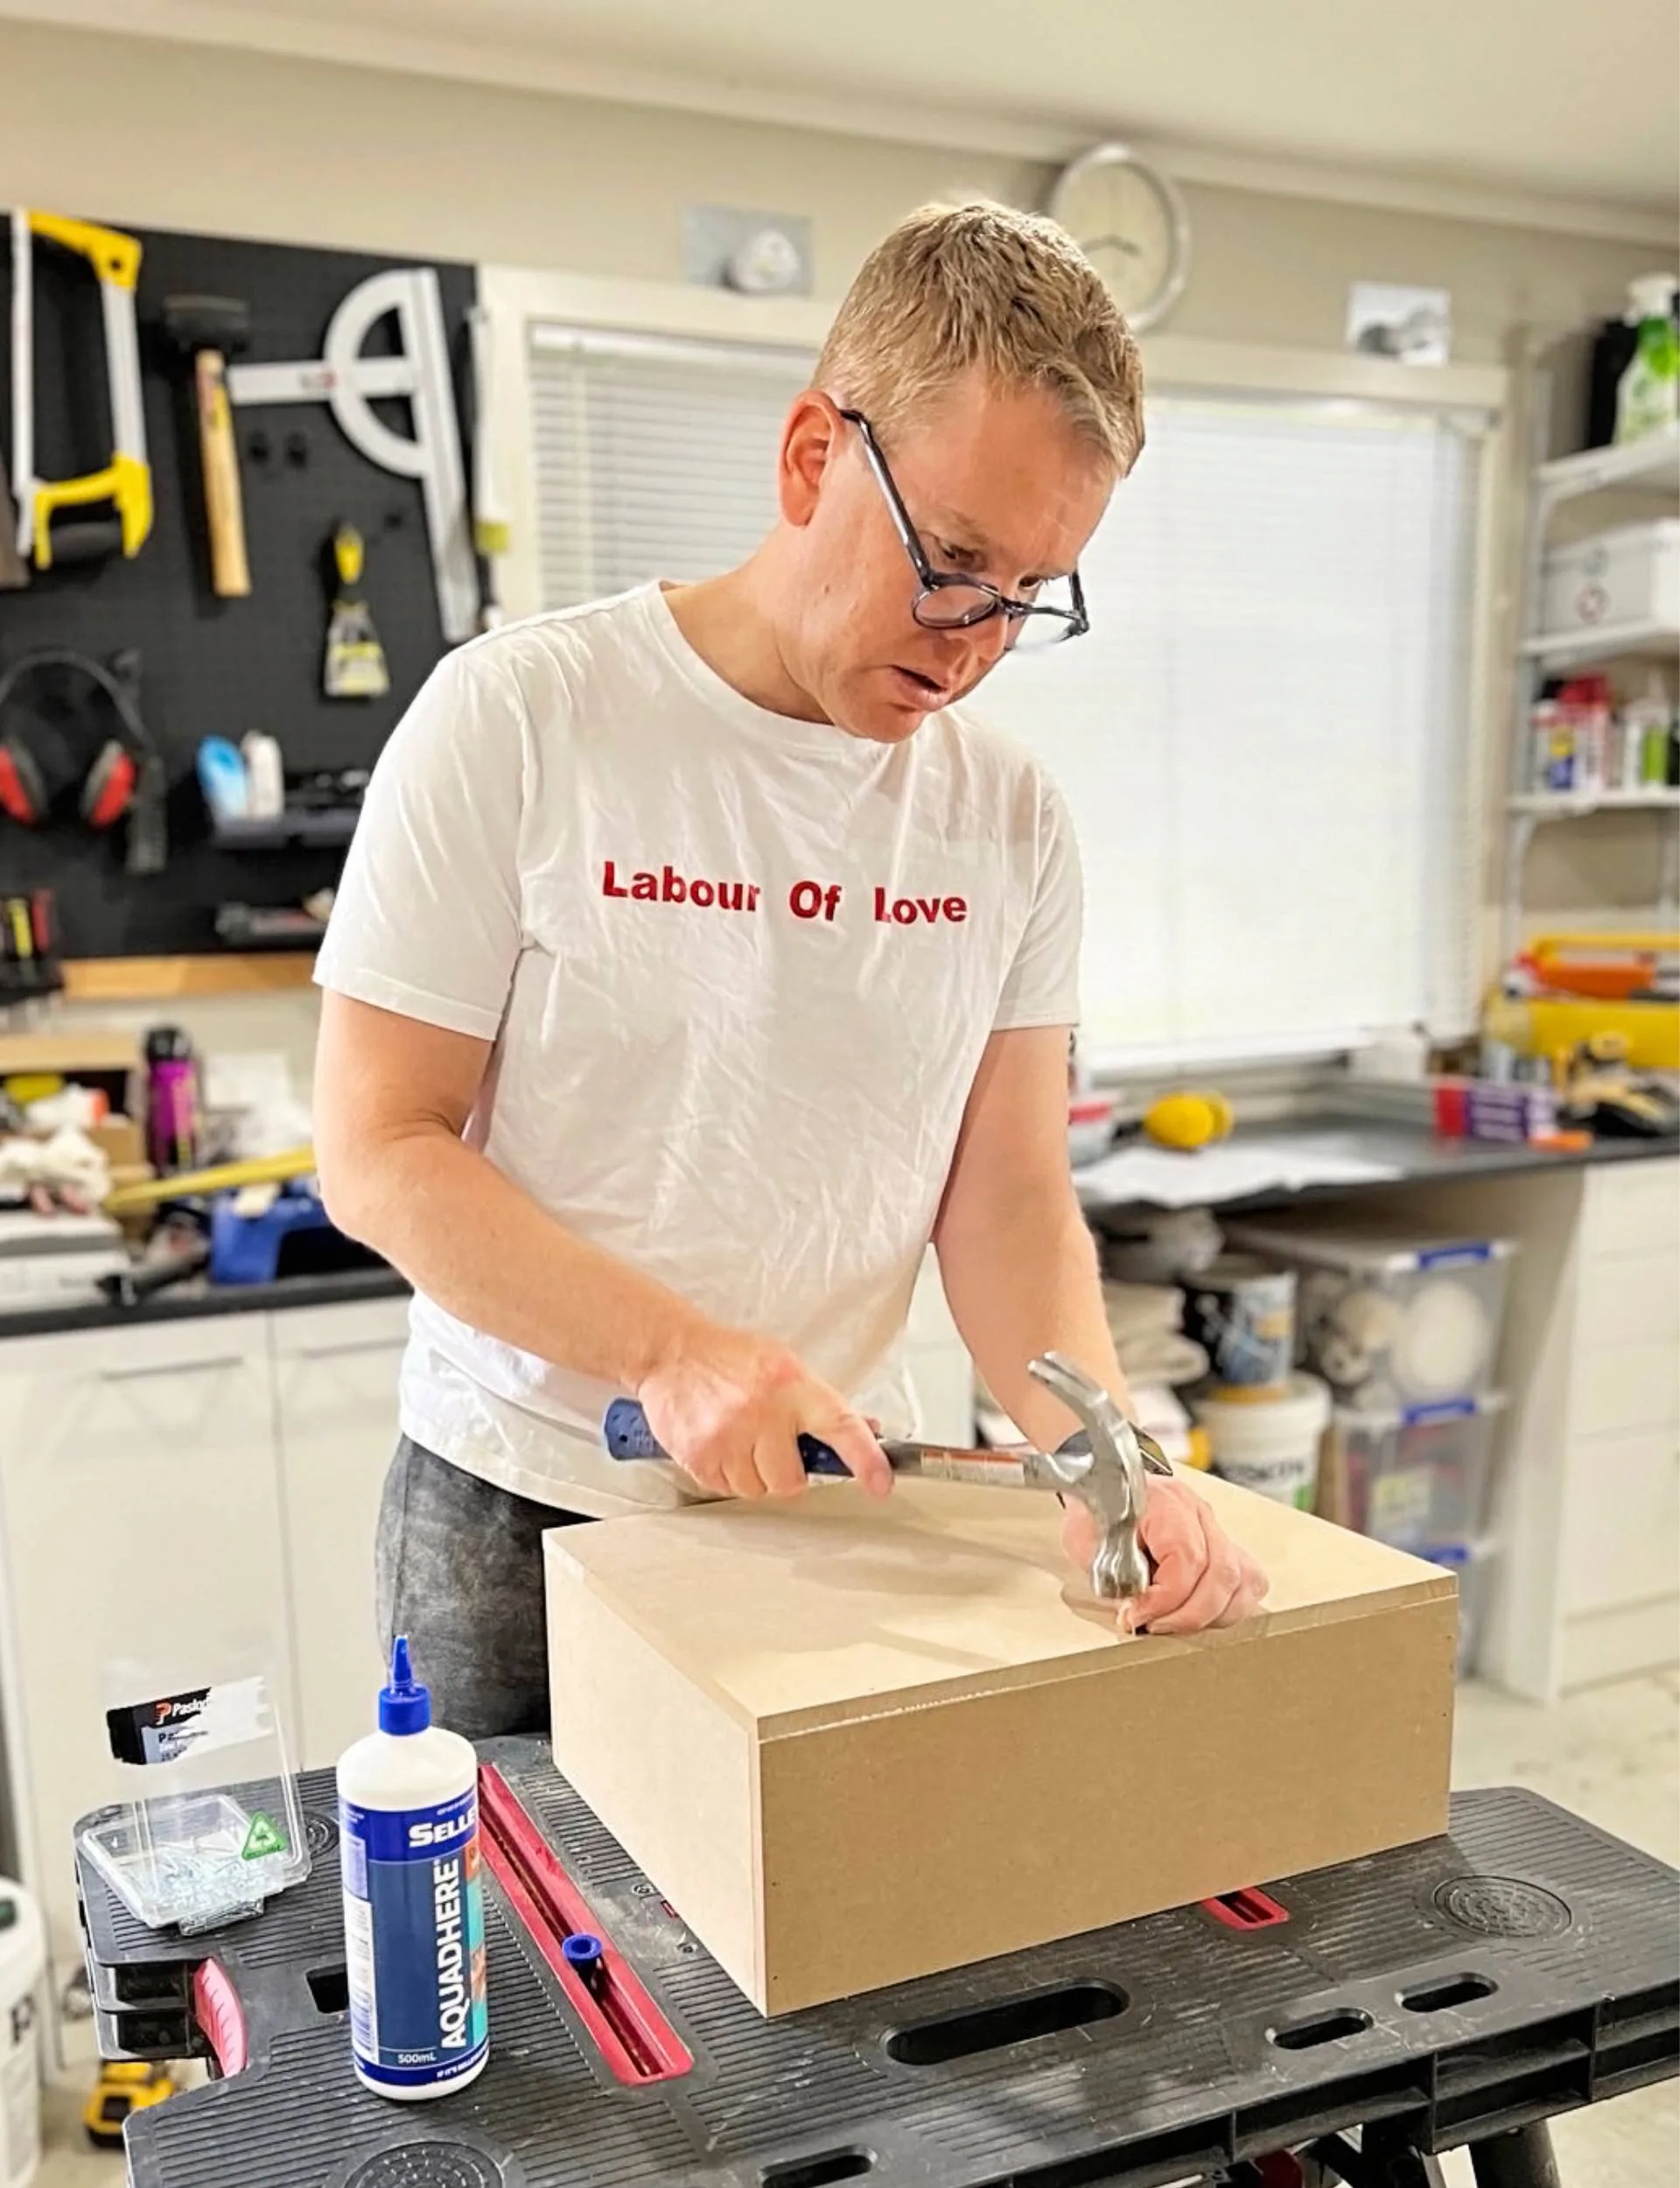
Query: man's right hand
x,y
729,1406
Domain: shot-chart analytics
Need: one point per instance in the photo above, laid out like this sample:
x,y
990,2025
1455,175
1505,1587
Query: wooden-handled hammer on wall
x,y
209,330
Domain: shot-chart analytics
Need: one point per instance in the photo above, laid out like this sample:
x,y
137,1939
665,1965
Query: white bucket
x,y
1270,1443
23,1954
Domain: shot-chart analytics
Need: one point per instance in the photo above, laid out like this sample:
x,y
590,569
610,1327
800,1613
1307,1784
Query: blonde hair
x,y
980,287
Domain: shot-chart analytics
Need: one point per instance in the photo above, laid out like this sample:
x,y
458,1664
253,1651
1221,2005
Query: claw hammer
x,y
1104,1465
207,330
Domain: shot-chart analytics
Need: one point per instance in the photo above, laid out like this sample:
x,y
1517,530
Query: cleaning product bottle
x,y
413,1905
1645,737
1647,395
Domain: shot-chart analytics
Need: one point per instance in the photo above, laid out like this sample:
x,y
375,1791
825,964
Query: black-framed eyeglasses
x,y
947,600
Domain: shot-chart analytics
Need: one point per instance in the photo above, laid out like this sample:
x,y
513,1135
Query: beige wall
x,y
167,135
175,136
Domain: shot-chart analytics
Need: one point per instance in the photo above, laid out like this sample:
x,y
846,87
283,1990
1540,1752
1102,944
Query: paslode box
x,y
853,1744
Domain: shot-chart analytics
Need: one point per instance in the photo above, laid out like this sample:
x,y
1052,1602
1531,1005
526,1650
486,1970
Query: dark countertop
x,y
1415,1153
182,1302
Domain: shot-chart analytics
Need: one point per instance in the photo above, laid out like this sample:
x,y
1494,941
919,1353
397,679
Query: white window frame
x,y
517,298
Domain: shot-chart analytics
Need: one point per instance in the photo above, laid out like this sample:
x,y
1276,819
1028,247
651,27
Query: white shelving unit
x,y
1653,466
1564,651
1571,804
1655,458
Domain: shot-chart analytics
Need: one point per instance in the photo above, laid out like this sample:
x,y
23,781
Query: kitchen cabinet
x,y
335,1372
1586,1581
139,1517
171,1481
1619,1578
163,1484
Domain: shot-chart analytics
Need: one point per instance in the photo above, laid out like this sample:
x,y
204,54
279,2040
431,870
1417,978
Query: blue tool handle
x,y
626,1435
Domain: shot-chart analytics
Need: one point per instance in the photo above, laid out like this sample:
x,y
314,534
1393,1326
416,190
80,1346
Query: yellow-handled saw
x,y
125,481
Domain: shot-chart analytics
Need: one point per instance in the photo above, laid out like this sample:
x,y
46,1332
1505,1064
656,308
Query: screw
x,y
641,1892
688,1950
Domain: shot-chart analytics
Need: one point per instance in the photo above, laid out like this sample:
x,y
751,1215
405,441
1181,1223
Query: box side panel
x,y
944,1834
666,1769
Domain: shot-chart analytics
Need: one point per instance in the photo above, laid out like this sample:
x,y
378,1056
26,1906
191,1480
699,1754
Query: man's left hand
x,y
1201,1577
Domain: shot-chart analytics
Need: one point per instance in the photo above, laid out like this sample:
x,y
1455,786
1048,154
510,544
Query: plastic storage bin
x,y
1628,575
1392,1322
1417,1480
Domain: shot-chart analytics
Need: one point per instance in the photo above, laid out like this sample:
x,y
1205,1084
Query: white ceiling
x,y
1547,96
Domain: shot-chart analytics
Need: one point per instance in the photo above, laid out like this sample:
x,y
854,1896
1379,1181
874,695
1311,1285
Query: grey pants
x,y
458,1568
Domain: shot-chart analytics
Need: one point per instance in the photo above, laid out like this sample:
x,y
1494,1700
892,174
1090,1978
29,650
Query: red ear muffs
x,y
23,795
110,787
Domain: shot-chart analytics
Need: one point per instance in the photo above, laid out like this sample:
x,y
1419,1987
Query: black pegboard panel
x,y
215,667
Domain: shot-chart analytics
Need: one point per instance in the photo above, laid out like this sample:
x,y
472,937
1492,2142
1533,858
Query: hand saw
x,y
126,480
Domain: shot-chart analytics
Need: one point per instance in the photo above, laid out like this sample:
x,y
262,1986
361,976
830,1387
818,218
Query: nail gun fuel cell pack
x,y
413,1905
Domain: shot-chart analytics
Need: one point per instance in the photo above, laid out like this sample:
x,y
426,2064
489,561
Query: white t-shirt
x,y
740,971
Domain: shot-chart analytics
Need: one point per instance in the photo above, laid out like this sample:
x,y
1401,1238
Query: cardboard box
x,y
123,1142
854,1744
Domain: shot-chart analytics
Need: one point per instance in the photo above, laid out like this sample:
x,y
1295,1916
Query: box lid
x,y
1366,1244
832,1609
1434,1415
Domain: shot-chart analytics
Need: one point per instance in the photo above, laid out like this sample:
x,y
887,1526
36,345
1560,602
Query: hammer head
x,y
196,323
1109,1479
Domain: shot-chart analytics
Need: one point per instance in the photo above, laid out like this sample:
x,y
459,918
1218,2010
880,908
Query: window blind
x,y
1264,739
654,458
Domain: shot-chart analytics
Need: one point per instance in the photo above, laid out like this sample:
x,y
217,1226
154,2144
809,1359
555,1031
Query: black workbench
x,y
1457,1992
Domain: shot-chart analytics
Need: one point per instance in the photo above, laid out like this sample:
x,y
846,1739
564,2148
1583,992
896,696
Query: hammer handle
x,y
626,1435
224,511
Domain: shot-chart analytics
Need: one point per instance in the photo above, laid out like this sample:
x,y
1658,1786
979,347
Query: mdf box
x,y
855,1744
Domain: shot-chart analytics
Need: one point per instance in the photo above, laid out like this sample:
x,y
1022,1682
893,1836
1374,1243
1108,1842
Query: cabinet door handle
x,y
350,1345
171,1367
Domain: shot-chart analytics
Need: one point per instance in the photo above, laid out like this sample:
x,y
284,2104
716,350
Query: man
x,y
699,958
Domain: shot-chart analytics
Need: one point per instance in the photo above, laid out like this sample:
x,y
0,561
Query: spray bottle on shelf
x,y
1647,395
413,1904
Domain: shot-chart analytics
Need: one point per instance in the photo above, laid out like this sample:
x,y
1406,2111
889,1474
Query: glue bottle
x,y
413,1905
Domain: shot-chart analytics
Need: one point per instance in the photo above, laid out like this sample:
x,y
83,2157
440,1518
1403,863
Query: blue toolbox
x,y
258,1243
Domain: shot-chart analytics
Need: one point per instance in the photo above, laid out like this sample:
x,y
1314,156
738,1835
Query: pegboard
x,y
214,667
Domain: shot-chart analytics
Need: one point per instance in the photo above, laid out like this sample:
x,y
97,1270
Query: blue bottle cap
x,y
581,1951
405,1705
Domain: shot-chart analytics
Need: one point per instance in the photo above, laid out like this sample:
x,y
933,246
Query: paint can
x,y
1241,1310
1269,1444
